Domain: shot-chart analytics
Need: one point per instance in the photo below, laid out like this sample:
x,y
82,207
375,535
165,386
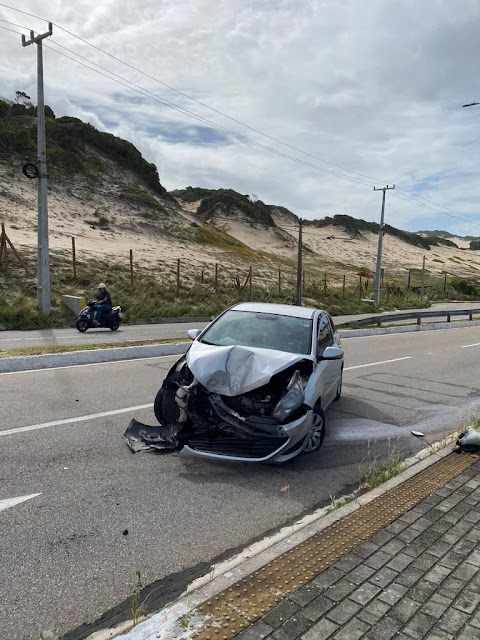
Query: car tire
x,y
316,435
82,325
339,387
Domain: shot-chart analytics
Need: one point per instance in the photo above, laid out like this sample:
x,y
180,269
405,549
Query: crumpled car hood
x,y
235,370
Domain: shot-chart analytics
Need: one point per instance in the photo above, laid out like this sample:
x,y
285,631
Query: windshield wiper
x,y
213,344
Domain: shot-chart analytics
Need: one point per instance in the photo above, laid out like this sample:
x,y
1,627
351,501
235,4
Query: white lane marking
x,y
12,502
465,346
87,364
91,416
372,364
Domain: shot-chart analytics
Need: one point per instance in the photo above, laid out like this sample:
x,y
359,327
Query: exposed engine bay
x,y
232,403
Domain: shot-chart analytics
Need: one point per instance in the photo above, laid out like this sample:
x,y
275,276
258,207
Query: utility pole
x,y
43,258
378,271
299,264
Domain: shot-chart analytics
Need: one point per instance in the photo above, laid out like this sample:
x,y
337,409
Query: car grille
x,y
238,447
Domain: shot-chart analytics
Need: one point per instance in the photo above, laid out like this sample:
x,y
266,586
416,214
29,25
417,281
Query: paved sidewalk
x,y
418,578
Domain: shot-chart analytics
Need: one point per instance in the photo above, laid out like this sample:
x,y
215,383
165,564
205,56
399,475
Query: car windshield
x,y
263,330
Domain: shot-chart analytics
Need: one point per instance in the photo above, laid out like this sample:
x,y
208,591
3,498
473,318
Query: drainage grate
x,y
236,608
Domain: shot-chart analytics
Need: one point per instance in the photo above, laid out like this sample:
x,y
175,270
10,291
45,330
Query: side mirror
x,y
193,333
331,353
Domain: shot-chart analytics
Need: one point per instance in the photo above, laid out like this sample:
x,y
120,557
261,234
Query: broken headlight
x,y
292,400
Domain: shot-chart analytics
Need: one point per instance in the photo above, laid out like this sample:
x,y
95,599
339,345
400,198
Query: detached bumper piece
x,y
469,441
142,437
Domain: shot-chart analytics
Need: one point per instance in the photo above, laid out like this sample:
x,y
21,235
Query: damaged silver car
x,y
254,386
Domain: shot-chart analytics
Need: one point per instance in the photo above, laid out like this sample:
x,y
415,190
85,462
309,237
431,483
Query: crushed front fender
x,y
143,437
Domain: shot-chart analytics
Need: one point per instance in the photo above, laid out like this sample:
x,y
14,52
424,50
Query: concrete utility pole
x,y
43,258
378,271
299,264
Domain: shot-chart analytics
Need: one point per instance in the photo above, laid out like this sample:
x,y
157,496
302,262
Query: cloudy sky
x,y
368,89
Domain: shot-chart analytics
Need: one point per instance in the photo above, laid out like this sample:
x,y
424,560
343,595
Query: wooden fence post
x,y
303,282
178,275
445,286
279,282
409,278
343,285
202,275
131,267
360,288
250,274
325,284
215,284
74,262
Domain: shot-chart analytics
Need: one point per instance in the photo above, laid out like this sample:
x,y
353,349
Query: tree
x,y
22,98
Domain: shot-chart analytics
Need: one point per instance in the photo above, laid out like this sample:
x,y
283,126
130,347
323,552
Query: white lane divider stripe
x,y
92,416
372,364
12,502
465,346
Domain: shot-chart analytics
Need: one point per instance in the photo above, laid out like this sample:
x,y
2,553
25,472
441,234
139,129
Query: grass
x,y
38,351
376,473
136,607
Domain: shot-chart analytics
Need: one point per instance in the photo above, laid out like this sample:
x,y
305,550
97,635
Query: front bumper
x,y
281,448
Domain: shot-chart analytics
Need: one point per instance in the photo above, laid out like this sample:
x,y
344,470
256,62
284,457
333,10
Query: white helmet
x,y
102,285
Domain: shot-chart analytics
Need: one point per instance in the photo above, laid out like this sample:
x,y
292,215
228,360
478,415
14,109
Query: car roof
x,y
276,309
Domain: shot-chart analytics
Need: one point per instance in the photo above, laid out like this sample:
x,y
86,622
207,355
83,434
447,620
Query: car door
x,y
330,369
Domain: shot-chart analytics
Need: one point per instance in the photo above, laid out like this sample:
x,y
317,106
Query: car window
x,y
263,330
325,334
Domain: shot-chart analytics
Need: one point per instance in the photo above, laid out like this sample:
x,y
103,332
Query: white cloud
x,y
375,87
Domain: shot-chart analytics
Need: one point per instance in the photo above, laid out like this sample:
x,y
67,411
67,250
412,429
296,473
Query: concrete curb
x,y
357,333
165,623
93,356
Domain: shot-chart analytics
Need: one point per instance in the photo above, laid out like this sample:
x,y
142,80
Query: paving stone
x,y
409,535
436,606
383,577
317,608
421,524
375,610
328,577
404,610
400,562
438,574
451,587
464,547
422,507
409,576
415,549
321,631
451,560
419,625
306,594
340,590
452,621
382,537
434,514
349,562
366,549
425,562
463,527
384,630
378,559
441,526
393,547
393,593
433,499
467,601
452,537
365,593
474,558
473,517
409,517
344,611
360,574
437,634
279,614
469,633
354,630
292,628
396,527
257,631
428,537
475,583
422,590
439,549
475,620
465,572
473,535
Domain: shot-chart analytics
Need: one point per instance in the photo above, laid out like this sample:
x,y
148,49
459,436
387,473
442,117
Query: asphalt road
x,y
136,333
65,555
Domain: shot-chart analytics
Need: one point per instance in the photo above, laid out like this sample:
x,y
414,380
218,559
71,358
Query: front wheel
x,y
82,325
339,386
316,435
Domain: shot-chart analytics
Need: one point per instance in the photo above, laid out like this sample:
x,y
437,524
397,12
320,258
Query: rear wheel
x,y
82,325
115,324
316,435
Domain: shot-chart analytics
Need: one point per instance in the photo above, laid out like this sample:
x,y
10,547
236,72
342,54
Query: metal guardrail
x,y
412,315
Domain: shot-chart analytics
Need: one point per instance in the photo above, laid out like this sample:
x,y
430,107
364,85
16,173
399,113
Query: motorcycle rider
x,y
103,302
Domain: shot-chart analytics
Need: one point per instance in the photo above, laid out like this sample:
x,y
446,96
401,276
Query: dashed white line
x,y
372,364
12,502
91,416
465,346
